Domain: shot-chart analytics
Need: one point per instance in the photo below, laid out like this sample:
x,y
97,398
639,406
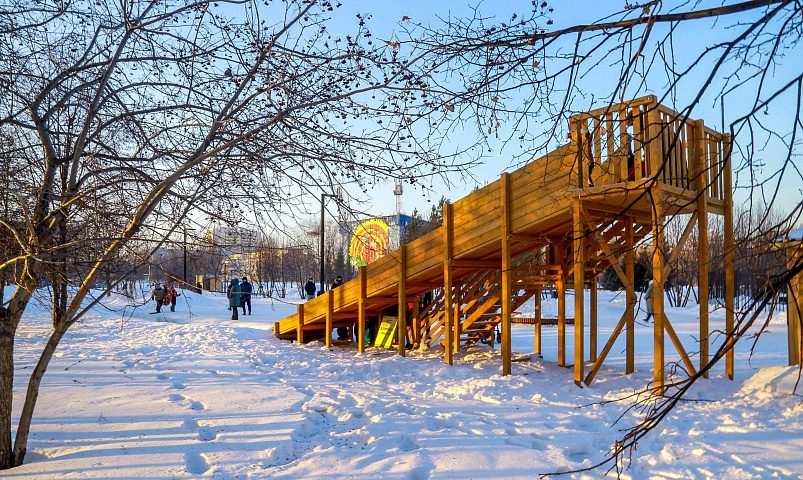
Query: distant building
x,y
365,241
232,241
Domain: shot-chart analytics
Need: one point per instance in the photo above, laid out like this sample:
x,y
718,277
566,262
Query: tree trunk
x,y
6,388
24,426
9,319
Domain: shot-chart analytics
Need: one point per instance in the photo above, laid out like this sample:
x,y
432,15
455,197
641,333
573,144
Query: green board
x,y
387,332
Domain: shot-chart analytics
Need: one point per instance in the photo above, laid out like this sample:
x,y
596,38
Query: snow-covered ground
x,y
193,394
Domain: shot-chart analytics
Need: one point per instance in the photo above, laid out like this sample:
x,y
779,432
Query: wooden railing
x,y
642,139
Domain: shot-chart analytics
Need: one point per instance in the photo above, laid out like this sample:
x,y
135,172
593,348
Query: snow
x,y
194,396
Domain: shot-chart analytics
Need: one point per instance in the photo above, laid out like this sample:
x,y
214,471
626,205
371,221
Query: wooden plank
x,y
560,286
729,255
593,321
506,276
630,296
300,325
330,314
605,350
402,282
448,242
579,283
363,274
538,322
658,291
702,243
678,346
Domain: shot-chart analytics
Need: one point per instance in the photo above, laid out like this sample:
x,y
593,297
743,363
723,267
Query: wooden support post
x,y
593,321
416,323
300,326
448,240
701,184
330,313
458,324
363,279
538,321
729,253
658,289
561,287
402,323
579,285
793,302
507,277
630,289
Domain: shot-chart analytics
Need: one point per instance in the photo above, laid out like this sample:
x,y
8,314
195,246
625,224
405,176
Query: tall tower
x,y
397,190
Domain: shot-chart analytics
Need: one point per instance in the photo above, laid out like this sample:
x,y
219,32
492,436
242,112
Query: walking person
x,y
246,288
309,288
648,297
235,296
158,295
342,332
172,295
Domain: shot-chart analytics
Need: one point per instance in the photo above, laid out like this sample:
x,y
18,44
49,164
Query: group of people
x,y
239,295
165,296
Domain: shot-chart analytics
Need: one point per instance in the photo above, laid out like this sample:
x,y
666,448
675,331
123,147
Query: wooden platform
x,y
549,223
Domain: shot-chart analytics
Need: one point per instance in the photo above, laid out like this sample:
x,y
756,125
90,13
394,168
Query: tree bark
x,y
24,426
9,319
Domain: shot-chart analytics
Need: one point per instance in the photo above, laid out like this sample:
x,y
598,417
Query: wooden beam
x,y
538,322
702,240
507,273
658,290
458,330
448,245
593,321
681,243
402,281
330,313
578,237
478,264
560,286
300,326
630,296
363,279
605,350
679,346
416,323
729,252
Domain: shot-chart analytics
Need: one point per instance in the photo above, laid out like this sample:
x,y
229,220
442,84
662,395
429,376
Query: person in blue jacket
x,y
246,288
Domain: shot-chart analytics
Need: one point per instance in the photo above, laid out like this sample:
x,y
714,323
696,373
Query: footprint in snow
x,y
190,424
207,434
195,463
178,385
163,376
175,397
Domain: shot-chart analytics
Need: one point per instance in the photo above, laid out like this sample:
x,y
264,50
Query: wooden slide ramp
x,y
534,228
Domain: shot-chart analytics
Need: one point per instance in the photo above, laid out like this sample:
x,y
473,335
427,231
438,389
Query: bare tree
x,y
131,119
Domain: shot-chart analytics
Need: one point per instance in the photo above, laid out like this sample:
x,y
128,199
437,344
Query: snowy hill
x,y
192,394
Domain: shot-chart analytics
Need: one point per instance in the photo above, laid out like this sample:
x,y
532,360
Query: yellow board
x,y
387,332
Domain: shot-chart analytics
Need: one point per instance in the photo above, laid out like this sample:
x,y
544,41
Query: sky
x,y
387,14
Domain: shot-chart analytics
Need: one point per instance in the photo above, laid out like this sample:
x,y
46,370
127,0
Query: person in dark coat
x,y
235,296
309,287
158,295
246,288
342,332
